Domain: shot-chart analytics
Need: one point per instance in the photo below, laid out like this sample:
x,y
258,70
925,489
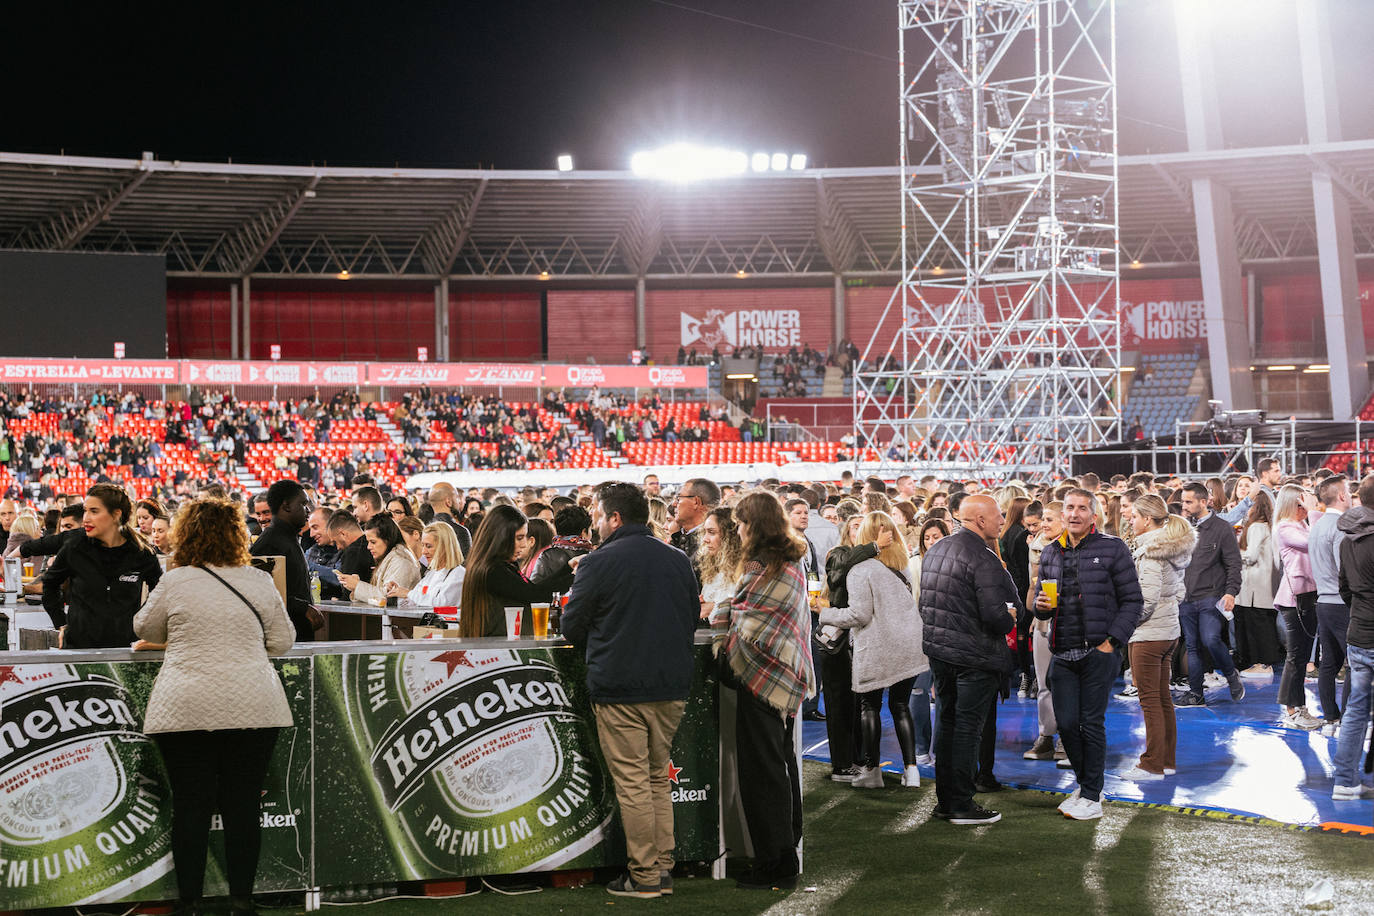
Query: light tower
x,y
1000,352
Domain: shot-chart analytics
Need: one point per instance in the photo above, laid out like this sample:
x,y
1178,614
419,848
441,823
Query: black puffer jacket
x,y
106,590
964,596
1106,599
838,563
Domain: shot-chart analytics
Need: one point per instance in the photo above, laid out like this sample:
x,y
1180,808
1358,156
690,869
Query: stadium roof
x,y
225,220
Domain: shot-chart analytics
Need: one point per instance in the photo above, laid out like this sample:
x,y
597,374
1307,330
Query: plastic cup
x,y
513,622
539,620
1051,589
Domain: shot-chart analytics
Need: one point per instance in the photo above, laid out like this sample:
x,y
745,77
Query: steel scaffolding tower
x,y
999,352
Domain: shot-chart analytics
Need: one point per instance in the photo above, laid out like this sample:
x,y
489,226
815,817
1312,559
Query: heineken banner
x,y
402,765
481,762
85,812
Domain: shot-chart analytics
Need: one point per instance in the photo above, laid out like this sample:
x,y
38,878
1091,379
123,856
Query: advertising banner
x,y
401,765
231,372
625,376
90,371
478,761
85,807
453,375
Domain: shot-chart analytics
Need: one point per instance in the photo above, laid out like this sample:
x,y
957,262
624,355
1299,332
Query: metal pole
x,y
1359,450
1293,442
247,319
233,321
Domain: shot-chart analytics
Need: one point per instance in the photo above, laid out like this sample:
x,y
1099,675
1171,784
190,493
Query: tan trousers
x,y
636,740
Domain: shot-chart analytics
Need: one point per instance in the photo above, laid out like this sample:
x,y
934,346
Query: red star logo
x,y
673,772
7,675
453,659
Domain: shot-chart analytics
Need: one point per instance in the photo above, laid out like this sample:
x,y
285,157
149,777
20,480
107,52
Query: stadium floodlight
x,y
759,162
798,162
565,163
780,162
683,162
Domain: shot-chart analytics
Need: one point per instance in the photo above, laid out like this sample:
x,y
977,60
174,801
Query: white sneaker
x,y
1084,810
868,778
1331,729
1351,793
925,760
1170,771
1136,774
1065,764
1301,718
911,777
1130,693
1068,802
1211,680
1258,671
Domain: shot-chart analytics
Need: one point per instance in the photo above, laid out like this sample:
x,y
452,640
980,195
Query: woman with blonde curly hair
x,y
217,704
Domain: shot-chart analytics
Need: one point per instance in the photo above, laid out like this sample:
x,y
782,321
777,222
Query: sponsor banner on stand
x,y
90,371
625,376
231,372
85,805
454,375
458,761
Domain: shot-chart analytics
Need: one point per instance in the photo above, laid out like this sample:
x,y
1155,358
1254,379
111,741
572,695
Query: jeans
x,y
1202,625
1082,689
1301,622
1151,668
1350,746
1332,622
965,696
920,713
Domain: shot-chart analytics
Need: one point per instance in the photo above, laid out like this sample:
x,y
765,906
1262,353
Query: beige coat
x,y
217,673
399,566
1257,568
884,627
1160,561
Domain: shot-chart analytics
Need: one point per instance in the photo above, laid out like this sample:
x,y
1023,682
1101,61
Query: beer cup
x,y
539,620
1051,589
513,622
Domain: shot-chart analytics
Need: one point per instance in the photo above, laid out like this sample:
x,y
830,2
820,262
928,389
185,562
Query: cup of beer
x,y
1051,589
539,620
29,569
513,622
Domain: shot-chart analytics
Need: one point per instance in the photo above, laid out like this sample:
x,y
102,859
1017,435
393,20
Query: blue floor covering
x,y
1232,757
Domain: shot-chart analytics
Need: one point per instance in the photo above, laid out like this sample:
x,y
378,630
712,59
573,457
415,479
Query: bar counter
x,y
408,760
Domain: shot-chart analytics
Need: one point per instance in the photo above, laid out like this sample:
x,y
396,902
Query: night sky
x,y
511,84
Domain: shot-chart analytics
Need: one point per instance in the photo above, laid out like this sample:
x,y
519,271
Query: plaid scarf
x,y
768,641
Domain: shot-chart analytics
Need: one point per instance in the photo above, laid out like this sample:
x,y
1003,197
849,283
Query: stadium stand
x,y
1159,393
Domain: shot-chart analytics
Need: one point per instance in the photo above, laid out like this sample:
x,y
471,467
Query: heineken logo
x,y
468,711
682,794
62,713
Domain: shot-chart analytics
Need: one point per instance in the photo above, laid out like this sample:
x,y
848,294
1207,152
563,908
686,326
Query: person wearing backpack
x,y
885,632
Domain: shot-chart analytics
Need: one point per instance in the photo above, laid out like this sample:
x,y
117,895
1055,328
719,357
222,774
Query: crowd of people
x,y
826,601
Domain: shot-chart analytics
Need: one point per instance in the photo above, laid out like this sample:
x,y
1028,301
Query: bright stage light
x,y
682,162
759,162
565,163
779,162
798,162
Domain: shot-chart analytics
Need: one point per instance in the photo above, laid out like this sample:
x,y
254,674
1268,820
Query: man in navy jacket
x,y
1098,606
634,607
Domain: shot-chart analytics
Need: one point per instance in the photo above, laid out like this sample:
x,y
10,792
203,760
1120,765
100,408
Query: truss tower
x,y
999,353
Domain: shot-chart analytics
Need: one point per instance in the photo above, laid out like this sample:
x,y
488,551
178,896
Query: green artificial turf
x,y
880,852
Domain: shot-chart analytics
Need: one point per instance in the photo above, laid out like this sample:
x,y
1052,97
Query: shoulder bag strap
x,y
239,595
